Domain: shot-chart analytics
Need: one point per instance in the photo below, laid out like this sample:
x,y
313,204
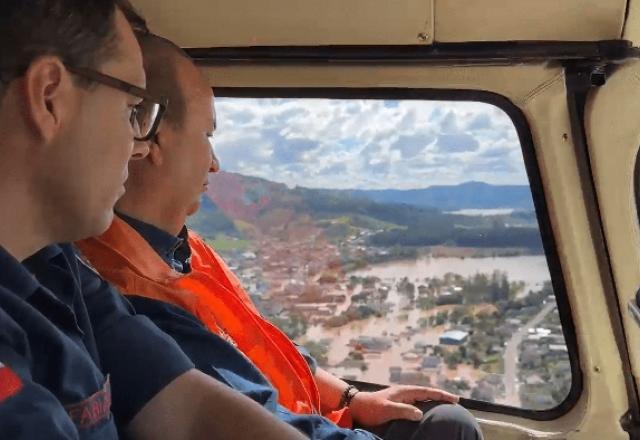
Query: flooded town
x,y
471,321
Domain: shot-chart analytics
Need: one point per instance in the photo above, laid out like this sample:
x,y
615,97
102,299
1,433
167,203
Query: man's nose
x,y
140,150
215,163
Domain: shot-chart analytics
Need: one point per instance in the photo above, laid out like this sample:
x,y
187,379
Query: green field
x,y
224,243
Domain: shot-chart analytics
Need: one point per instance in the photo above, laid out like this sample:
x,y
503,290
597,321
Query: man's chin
x,y
103,223
193,208
98,226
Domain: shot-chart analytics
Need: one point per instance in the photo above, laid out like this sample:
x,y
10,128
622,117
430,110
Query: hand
x,y
395,402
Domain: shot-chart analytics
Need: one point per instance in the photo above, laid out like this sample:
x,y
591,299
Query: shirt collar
x,y
16,277
183,252
174,250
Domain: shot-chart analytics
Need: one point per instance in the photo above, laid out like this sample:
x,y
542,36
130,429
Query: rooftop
x,y
455,334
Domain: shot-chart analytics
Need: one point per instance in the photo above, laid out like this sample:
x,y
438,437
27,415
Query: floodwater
x,y
483,212
401,326
532,269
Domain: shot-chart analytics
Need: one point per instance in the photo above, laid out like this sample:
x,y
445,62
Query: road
x,y
511,355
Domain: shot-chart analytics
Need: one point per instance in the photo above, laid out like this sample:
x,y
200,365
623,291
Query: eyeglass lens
x,y
145,118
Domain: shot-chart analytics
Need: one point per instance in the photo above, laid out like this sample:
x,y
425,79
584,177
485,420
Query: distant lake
x,y
483,212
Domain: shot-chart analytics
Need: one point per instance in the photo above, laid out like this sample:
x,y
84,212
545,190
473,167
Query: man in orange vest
x,y
173,277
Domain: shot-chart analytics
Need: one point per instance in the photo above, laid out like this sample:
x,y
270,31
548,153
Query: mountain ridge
x,y
466,195
255,208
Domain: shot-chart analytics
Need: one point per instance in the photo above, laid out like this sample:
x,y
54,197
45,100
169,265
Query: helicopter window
x,y
398,240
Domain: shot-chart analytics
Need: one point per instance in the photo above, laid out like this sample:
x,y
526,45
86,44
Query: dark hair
x,y
137,21
81,32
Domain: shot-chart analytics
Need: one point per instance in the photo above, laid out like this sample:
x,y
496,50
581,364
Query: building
x,y
431,364
370,344
394,374
454,337
415,378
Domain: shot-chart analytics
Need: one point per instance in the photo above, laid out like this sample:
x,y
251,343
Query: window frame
x,y
527,146
636,184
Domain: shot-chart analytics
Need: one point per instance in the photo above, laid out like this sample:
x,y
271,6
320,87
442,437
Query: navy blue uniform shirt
x,y
27,409
64,393
81,353
174,250
139,358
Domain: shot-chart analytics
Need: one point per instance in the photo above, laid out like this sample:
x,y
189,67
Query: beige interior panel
x,y
515,82
499,20
613,118
632,25
540,92
240,23
605,393
219,23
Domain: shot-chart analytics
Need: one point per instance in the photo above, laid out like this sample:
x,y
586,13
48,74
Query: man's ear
x,y
47,89
140,150
155,155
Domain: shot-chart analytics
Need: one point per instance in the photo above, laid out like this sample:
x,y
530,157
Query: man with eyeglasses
x,y
75,362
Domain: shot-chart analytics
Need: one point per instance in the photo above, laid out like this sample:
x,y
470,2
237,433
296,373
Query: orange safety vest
x,y
213,294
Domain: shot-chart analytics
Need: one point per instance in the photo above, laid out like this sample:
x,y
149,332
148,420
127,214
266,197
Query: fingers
x,y
440,395
404,411
413,394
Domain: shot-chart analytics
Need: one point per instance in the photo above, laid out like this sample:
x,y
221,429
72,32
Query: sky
x,y
367,144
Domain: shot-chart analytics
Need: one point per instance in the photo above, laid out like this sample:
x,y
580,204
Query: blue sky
x,y
368,144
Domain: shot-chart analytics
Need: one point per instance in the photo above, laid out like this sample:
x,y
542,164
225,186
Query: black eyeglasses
x,y
145,117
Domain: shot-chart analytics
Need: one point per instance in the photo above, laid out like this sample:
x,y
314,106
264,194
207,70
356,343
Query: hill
x,y
251,208
468,195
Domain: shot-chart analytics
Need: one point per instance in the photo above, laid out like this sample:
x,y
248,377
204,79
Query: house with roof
x,y
454,337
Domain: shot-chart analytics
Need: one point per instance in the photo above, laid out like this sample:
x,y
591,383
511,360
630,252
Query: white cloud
x,y
368,143
456,143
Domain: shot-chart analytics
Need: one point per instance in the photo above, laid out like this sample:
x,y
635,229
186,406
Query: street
x,y
512,397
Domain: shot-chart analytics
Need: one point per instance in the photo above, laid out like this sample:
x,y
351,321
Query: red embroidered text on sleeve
x,y
10,383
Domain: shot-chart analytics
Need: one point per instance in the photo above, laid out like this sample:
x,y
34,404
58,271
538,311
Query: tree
x,y
483,392
293,326
453,359
457,314
463,351
318,352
